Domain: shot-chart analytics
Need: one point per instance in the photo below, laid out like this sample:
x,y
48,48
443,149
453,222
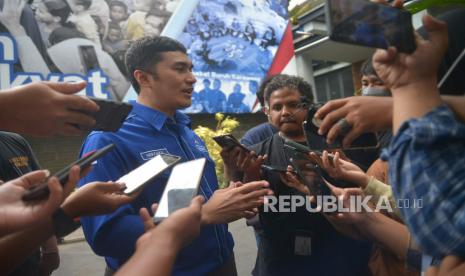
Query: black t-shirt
x,y
16,159
331,252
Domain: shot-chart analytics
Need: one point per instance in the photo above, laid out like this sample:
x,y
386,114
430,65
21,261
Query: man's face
x,y
174,81
253,87
372,81
206,84
114,35
285,112
118,13
237,88
152,26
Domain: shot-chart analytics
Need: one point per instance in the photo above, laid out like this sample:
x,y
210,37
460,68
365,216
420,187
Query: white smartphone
x,y
142,175
182,186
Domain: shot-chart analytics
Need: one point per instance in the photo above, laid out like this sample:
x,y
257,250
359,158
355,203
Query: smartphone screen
x,y
140,176
41,191
182,186
370,24
89,58
317,142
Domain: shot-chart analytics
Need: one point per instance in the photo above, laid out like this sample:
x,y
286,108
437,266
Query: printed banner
x,y
232,44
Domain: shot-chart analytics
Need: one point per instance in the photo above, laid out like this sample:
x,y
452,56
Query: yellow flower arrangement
x,y
224,126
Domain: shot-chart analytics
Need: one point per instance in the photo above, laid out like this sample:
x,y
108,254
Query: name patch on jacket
x,y
199,145
147,155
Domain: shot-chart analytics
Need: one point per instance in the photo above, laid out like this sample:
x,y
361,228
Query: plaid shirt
x,y
426,161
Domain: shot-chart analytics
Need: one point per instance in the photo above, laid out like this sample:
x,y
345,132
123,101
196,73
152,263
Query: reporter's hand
x,y
235,202
250,164
345,170
450,266
230,156
363,114
177,230
352,216
49,262
15,214
292,180
96,198
46,109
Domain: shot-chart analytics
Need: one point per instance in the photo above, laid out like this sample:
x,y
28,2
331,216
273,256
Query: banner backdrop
x,y
232,44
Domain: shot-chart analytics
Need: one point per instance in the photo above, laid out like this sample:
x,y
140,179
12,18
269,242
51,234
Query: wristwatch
x,y
63,224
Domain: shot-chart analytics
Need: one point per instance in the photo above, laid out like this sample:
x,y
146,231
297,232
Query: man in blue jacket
x,y
161,73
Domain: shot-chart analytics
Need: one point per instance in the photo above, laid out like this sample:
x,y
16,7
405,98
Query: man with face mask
x,y
372,85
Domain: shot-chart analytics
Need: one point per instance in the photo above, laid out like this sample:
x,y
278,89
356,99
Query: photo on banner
x,y
232,45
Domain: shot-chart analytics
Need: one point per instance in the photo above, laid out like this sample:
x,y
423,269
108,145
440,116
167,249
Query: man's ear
x,y
265,110
142,78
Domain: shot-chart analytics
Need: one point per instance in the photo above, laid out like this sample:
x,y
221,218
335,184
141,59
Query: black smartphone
x,y
88,57
110,116
228,141
312,174
140,176
41,191
317,142
338,183
274,169
297,146
181,187
374,25
305,169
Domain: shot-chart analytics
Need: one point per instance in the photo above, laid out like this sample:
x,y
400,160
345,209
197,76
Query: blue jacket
x,y
146,133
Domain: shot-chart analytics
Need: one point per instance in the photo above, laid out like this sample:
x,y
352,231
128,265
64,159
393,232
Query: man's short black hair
x,y
367,68
145,53
119,4
291,82
85,3
261,89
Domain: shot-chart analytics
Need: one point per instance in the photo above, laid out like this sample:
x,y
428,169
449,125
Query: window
x,y
334,85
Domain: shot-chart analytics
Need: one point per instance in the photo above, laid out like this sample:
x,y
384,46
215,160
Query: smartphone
x,y
88,58
374,25
301,162
41,191
110,116
137,178
181,187
305,169
274,169
228,141
297,146
304,149
317,142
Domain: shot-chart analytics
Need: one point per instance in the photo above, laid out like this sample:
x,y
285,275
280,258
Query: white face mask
x,y
375,91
